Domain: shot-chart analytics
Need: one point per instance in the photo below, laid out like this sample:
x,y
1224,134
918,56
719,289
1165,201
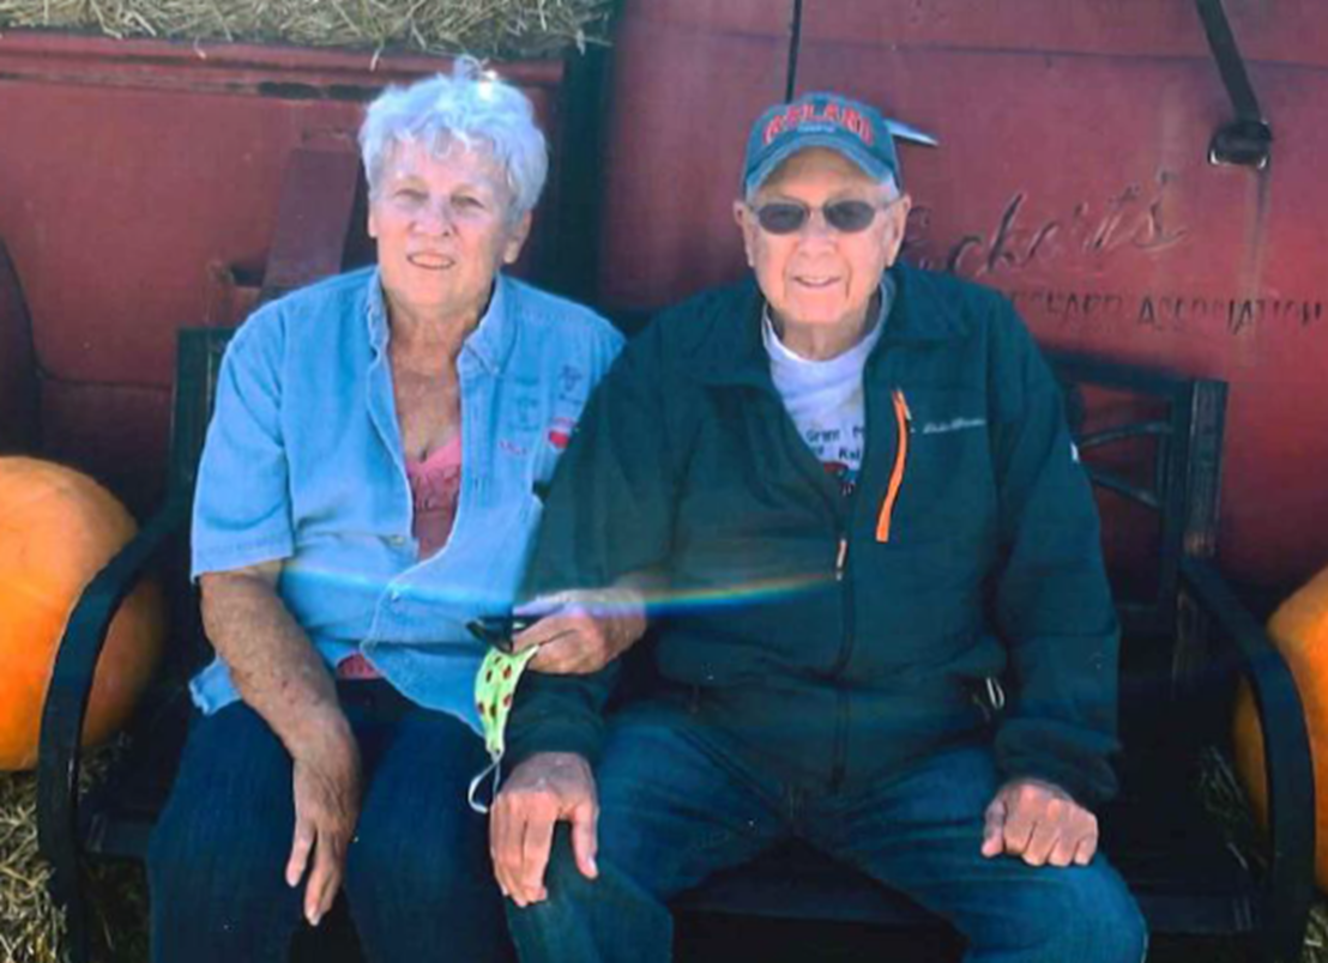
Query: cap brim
x,y
871,165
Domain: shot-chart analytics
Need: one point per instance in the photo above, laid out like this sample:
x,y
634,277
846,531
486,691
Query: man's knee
x,y
1087,915
570,890
609,917
1105,929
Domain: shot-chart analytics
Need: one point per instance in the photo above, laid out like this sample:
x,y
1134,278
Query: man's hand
x,y
326,782
546,788
583,631
1041,823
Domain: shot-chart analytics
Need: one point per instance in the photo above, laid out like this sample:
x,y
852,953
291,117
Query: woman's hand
x,y
580,632
326,783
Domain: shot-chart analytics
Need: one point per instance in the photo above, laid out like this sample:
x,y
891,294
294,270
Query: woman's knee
x,y
227,826
205,853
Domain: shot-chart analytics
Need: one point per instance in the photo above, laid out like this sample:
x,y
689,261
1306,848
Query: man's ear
x,y
896,225
747,224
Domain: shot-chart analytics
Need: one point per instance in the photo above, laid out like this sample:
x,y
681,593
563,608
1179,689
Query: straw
x,y
491,28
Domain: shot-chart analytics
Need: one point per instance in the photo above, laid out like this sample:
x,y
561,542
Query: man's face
x,y
818,275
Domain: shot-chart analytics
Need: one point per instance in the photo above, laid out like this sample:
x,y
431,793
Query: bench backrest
x,y
1151,441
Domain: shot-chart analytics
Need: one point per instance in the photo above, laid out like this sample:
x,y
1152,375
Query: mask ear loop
x,y
495,767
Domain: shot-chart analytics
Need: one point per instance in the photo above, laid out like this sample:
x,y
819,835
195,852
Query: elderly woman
x,y
371,480
857,480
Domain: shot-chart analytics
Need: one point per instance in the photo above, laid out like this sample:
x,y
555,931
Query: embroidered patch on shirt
x,y
560,432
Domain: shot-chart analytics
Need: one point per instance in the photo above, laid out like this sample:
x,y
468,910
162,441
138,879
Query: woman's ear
x,y
516,238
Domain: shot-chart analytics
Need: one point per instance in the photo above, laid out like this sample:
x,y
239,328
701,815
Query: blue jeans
x,y
418,874
678,804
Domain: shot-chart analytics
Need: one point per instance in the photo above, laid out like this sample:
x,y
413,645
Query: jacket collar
x,y
735,355
490,343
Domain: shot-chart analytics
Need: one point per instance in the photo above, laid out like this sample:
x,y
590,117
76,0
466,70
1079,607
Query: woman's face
x,y
443,228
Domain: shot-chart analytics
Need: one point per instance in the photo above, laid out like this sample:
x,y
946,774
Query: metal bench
x,y
1152,442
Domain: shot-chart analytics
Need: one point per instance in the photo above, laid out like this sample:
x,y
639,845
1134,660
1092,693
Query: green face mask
x,y
495,687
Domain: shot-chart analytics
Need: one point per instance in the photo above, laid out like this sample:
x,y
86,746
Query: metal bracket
x,y
1248,140
1245,143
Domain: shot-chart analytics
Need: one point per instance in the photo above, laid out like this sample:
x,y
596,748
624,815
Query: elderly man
x,y
855,484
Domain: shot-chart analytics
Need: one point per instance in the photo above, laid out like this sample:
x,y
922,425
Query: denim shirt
x,y
303,463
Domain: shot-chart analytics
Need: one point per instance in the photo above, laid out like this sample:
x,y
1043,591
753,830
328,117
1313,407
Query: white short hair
x,y
472,107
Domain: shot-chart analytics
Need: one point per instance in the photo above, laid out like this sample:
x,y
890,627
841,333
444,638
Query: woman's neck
x,y
422,337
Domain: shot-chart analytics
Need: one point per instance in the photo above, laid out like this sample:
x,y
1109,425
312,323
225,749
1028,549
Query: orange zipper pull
x,y
903,421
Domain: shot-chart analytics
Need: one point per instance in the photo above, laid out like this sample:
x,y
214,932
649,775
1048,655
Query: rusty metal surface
x,y
122,194
116,433
762,18
1278,31
132,174
1072,174
313,218
684,92
273,70
1080,186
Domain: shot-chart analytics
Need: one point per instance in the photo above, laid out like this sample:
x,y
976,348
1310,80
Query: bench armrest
x,y
1288,765
58,759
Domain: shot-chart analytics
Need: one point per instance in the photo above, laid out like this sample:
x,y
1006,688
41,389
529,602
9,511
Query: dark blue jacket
x,y
844,638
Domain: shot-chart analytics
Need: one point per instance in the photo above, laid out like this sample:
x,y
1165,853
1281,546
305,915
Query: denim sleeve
x,y
1053,604
242,507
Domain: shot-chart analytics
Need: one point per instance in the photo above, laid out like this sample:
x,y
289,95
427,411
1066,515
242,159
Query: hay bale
x,y
32,927
497,28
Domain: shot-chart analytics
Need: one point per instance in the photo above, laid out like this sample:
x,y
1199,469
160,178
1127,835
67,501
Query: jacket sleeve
x,y
1052,601
609,513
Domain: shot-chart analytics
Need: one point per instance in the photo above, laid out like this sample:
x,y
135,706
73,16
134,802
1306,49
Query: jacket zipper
x,y
903,422
845,651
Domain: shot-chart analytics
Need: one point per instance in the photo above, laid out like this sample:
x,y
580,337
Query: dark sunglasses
x,y
847,217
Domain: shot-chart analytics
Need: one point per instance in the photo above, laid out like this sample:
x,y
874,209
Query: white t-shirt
x,y
824,398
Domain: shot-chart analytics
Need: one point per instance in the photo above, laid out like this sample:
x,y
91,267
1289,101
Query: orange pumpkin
x,y
1299,629
57,529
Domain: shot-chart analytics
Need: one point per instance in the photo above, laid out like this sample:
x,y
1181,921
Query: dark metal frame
x,y
1185,491
21,430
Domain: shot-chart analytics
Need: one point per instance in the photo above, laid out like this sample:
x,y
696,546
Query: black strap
x,y
795,43
1248,139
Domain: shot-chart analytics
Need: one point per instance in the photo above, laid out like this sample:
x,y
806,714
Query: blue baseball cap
x,y
854,129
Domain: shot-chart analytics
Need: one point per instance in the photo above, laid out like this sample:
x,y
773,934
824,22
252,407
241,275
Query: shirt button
x,y
394,594
396,540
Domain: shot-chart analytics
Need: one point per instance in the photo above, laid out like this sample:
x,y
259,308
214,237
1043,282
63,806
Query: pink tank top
x,y
435,485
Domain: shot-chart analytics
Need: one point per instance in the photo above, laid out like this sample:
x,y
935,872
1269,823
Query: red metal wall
x,y
1072,174
131,174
